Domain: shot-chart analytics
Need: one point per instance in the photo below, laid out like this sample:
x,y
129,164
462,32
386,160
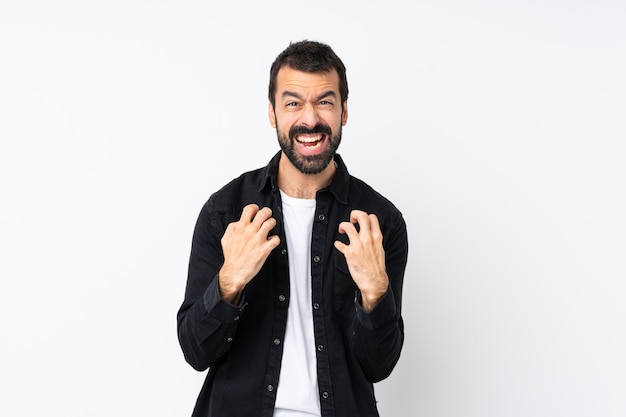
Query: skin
x,y
304,99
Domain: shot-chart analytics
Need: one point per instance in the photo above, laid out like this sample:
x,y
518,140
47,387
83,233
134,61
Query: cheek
x,y
284,123
336,122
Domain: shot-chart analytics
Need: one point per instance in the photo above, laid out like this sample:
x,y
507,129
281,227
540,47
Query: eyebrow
x,y
329,93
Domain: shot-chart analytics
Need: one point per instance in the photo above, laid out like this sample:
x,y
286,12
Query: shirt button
x,y
236,318
284,251
321,217
230,339
316,306
320,347
316,259
270,388
324,394
281,298
277,341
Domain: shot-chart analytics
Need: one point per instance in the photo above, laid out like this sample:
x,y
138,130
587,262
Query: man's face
x,y
308,117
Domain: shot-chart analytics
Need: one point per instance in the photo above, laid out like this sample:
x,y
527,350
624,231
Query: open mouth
x,y
310,141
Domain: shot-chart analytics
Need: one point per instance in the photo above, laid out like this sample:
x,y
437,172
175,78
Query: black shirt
x,y
242,345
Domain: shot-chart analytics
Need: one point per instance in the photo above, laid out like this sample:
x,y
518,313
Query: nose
x,y
309,116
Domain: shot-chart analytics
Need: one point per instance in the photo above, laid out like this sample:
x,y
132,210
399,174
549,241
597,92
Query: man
x,y
294,290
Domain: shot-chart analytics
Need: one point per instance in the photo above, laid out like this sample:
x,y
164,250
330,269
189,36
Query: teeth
x,y
309,139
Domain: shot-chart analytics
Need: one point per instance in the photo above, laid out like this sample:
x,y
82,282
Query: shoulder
x,y
392,223
362,194
358,194
225,205
250,187
237,193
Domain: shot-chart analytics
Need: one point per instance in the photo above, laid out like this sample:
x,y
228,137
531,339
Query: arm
x,y
220,265
378,272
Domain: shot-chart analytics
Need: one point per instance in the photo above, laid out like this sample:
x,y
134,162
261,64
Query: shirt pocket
x,y
344,288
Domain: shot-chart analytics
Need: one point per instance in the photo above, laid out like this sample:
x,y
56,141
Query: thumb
x,y
340,246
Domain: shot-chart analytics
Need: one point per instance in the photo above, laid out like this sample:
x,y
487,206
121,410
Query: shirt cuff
x,y
219,308
383,312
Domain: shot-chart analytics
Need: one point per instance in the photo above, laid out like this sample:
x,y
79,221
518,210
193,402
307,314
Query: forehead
x,y
289,79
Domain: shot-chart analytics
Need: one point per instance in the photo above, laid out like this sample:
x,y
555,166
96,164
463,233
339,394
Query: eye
x,y
326,103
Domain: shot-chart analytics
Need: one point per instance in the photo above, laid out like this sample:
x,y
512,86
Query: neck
x,y
298,185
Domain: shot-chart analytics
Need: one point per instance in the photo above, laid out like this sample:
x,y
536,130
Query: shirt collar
x,y
339,186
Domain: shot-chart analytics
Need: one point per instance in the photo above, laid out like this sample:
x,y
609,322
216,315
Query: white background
x,y
497,127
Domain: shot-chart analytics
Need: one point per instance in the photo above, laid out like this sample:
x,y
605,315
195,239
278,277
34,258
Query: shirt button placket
x,y
316,306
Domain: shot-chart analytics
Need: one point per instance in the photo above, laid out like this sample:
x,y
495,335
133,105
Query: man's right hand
x,y
246,246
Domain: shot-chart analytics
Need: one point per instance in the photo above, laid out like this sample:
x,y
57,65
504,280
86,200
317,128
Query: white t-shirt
x,y
298,394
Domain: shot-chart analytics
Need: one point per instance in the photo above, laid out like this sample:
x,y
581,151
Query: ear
x,y
344,113
271,114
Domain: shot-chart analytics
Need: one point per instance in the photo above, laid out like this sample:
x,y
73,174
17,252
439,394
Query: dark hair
x,y
309,56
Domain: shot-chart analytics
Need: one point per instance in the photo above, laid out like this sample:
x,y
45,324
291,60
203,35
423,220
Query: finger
x,y
273,241
349,230
341,247
267,226
374,224
261,216
248,213
360,217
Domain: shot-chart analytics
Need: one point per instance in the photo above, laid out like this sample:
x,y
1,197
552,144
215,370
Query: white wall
x,y
497,127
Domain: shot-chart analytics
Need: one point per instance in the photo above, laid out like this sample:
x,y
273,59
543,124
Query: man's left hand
x,y
365,256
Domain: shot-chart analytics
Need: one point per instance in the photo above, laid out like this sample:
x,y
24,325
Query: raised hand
x,y
365,256
246,246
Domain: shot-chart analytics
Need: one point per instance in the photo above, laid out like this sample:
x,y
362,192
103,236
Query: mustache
x,y
302,130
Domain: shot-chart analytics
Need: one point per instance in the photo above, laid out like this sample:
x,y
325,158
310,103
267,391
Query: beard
x,y
310,164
